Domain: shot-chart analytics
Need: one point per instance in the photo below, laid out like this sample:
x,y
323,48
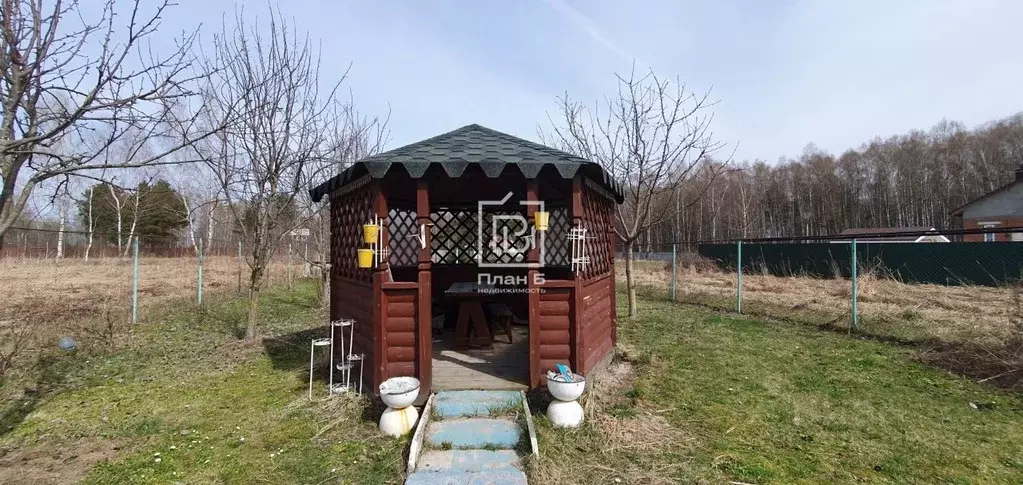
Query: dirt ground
x,y
913,311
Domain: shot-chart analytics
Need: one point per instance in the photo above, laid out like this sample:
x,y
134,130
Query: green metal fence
x,y
988,264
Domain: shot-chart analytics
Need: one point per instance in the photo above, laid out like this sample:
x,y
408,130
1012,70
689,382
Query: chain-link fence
x,y
60,283
961,299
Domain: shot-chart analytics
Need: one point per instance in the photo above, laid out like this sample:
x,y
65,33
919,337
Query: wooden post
x,y
533,271
379,299
424,312
577,335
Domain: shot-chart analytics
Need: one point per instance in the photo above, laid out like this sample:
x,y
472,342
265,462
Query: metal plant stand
x,y
347,360
316,342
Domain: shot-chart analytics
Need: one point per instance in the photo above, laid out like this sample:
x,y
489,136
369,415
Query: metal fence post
x,y
855,316
291,278
738,282
674,269
135,285
199,285
239,267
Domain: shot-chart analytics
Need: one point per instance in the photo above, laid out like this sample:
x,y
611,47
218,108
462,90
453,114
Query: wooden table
x,y
470,312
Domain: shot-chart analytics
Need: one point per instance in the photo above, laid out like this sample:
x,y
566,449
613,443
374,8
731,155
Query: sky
x,y
784,73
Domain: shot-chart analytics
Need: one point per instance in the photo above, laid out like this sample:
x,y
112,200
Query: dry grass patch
x,y
977,314
621,441
976,331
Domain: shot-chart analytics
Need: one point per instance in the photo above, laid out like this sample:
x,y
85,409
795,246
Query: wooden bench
x,y
502,317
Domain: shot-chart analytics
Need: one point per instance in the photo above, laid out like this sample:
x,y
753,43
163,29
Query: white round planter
x,y
564,411
566,391
399,392
398,422
565,414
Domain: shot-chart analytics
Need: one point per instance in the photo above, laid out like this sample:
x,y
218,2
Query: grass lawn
x,y
709,397
697,396
185,401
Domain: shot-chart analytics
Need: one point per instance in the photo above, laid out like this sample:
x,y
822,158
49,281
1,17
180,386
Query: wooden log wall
x,y
596,322
553,328
400,330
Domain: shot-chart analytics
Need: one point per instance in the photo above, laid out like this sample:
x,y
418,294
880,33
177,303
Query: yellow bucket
x,y
542,220
365,258
370,233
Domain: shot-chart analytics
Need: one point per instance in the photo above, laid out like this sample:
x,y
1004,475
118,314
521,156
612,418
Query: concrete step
x,y
467,478
464,404
468,433
469,461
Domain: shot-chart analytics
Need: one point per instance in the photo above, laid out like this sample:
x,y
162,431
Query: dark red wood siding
x,y
596,322
351,288
554,325
400,333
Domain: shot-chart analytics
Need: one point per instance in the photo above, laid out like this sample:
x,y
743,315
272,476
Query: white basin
x,y
398,422
565,414
399,392
566,391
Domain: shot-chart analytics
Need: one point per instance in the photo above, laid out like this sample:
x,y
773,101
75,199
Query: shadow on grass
x,y
51,372
280,299
291,351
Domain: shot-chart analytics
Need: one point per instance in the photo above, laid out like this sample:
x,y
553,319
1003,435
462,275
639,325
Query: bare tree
x,y
66,75
653,137
269,76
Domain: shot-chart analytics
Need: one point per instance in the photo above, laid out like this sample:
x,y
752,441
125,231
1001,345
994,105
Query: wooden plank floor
x,y
503,366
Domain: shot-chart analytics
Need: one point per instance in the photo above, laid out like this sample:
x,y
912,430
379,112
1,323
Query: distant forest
x,y
915,179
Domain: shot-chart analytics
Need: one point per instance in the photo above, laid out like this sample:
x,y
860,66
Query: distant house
x,y
890,235
1002,207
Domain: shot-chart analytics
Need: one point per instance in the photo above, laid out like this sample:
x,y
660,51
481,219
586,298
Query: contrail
x,y
587,24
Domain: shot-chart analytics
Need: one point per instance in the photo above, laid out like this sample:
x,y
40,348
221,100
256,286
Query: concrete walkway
x,y
472,439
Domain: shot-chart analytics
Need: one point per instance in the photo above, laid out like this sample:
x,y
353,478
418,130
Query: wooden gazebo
x,y
446,207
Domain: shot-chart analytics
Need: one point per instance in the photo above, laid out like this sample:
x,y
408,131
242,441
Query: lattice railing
x,y
348,212
598,220
403,238
557,246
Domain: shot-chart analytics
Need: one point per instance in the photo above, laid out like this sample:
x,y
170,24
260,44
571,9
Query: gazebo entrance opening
x,y
481,236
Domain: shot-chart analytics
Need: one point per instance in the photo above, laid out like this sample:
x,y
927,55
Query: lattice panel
x,y
557,247
403,234
348,212
453,237
598,219
490,253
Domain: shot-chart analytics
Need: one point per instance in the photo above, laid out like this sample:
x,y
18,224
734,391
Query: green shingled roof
x,y
469,145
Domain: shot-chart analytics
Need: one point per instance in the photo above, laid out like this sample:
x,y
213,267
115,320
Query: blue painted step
x,y
468,460
467,478
467,433
464,404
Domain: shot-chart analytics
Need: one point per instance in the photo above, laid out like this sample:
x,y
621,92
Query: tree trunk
x,y
324,288
255,284
60,232
251,330
630,285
